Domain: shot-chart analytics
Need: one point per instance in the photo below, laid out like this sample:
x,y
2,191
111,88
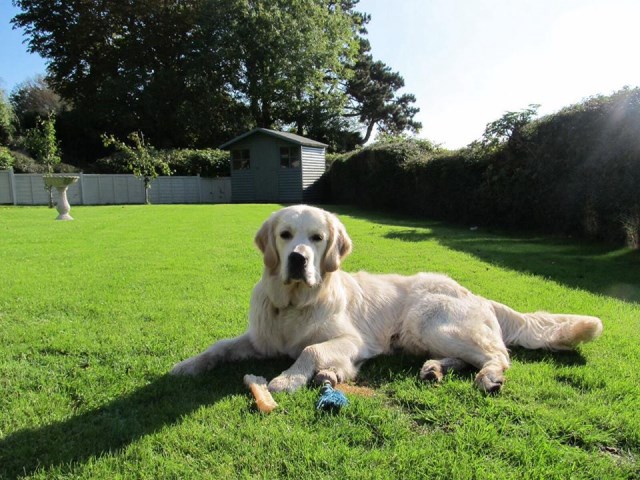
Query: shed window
x,y
289,157
241,159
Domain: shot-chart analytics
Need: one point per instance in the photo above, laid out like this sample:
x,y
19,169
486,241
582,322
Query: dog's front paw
x,y
190,367
328,375
287,383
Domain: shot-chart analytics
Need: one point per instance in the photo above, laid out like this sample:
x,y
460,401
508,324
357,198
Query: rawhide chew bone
x,y
258,387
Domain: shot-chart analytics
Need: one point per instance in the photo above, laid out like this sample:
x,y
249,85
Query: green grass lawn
x,y
94,312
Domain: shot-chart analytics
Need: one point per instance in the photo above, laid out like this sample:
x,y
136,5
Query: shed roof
x,y
289,137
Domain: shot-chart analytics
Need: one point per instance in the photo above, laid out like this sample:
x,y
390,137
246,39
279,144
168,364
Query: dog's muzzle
x,y
297,264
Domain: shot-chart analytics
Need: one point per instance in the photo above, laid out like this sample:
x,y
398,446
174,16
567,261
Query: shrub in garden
x,y
41,143
205,162
6,159
379,175
116,163
631,227
142,158
575,172
23,163
580,167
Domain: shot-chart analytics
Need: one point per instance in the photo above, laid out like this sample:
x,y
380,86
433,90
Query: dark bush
x,y
6,159
23,163
380,175
206,163
575,172
115,163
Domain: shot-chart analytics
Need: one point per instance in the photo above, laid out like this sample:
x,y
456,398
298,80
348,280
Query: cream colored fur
x,y
331,321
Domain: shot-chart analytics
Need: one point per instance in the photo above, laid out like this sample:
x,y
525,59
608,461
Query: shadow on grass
x,y
112,427
568,358
385,368
597,268
166,400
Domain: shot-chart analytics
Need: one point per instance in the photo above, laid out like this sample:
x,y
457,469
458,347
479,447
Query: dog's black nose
x,y
297,262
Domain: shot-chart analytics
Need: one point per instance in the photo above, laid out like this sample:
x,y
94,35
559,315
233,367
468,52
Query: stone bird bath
x,y
61,182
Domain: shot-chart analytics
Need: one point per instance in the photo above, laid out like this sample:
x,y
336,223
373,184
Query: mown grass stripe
x,y
94,312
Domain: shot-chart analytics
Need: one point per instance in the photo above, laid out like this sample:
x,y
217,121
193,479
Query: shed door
x,y
267,164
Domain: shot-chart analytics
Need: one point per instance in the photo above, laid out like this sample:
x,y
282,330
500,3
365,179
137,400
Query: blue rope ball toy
x,y
331,400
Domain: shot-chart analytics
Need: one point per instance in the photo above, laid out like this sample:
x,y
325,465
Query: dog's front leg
x,y
337,355
228,350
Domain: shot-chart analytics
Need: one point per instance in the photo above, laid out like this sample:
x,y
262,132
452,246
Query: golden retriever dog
x,y
331,321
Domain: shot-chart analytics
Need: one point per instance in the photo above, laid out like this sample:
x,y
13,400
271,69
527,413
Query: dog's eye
x,y
316,238
286,235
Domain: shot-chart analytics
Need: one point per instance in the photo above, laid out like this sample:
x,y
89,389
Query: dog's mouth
x,y
302,277
302,280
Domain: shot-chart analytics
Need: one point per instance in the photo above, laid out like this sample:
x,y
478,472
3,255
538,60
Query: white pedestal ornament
x,y
61,182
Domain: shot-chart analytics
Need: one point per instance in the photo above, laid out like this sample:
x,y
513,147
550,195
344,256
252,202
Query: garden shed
x,y
272,166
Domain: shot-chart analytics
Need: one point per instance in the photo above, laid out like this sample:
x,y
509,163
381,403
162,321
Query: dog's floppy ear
x,y
266,243
338,246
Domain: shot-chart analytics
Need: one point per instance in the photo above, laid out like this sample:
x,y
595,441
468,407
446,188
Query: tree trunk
x,y
50,190
369,130
254,108
147,187
266,121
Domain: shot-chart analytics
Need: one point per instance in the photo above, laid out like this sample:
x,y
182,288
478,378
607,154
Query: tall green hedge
x,y
575,172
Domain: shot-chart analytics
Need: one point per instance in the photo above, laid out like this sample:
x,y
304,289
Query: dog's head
x,y
303,244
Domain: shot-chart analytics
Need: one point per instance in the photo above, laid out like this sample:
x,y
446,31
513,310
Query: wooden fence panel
x,y
92,189
6,190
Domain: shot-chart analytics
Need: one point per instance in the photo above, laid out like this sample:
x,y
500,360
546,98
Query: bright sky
x,y
469,61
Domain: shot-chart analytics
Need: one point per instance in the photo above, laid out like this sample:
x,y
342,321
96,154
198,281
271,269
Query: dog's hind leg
x,y
488,353
435,370
491,362
490,378
460,331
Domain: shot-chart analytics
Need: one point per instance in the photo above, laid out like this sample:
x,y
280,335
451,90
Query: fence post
x,y
81,188
12,187
199,188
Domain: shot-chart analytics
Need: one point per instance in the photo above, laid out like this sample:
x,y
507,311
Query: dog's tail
x,y
545,330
